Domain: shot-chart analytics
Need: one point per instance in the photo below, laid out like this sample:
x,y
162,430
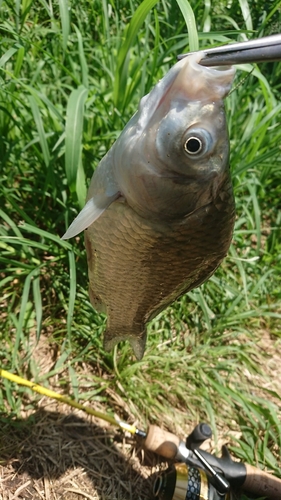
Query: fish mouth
x,y
190,81
204,83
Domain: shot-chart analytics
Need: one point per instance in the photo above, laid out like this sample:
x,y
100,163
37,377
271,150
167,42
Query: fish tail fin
x,y
137,341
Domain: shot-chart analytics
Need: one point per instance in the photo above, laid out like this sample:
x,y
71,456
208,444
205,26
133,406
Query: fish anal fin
x,y
138,345
137,342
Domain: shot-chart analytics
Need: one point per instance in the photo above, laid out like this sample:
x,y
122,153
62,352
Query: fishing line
x,y
70,402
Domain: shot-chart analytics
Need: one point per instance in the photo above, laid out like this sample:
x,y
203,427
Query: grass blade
x,y
65,21
73,134
20,323
189,18
246,12
81,187
83,63
38,304
40,130
7,56
72,291
121,76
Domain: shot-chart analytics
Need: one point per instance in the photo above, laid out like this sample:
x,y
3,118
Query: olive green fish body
x,y
160,210
137,268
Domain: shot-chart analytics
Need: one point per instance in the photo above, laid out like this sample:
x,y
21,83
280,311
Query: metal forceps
x,y
259,50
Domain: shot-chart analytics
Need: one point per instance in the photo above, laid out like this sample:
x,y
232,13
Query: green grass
x,y
71,76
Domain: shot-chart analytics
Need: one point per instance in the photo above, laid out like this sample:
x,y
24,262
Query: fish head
x,y
172,156
174,152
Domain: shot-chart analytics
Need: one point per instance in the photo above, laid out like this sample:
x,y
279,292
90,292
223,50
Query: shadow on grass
x,y
51,455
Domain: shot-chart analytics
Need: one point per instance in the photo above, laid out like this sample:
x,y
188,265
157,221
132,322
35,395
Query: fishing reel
x,y
182,482
201,475
195,478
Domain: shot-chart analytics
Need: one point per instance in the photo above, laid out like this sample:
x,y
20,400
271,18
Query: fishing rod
x,y
196,474
70,402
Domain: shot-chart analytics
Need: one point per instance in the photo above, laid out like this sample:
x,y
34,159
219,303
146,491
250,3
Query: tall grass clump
x,y
72,74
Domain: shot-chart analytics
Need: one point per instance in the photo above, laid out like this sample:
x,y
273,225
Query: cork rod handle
x,y
261,483
161,442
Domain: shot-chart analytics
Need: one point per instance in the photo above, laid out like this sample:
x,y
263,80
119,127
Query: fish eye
x,y
197,142
193,145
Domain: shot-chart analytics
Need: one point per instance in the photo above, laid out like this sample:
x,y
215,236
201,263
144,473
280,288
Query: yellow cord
x,y
54,395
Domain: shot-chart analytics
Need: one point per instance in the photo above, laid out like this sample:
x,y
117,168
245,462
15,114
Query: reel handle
x,y
261,483
249,478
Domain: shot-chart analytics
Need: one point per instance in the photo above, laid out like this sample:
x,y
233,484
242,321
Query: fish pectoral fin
x,y
137,342
89,214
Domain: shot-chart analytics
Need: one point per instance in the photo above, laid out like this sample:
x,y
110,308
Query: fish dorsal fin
x,y
92,211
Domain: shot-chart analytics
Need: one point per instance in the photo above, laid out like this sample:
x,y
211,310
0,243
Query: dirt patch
x,y
55,455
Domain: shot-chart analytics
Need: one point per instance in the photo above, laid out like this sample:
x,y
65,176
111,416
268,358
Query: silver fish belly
x,y
160,209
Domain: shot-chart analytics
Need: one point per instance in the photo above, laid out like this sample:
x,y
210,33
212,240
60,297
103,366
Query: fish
x,y
160,209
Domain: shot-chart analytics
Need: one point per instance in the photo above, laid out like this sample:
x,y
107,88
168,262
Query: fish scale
x,y
142,268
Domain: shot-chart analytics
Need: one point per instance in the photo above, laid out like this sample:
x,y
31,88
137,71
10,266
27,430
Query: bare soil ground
x,y
56,453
